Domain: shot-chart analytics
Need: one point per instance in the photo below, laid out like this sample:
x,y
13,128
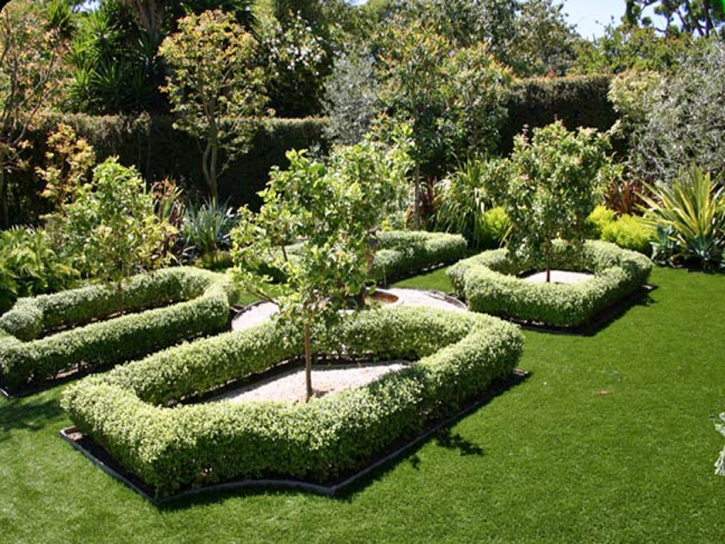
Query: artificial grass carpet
x,y
608,440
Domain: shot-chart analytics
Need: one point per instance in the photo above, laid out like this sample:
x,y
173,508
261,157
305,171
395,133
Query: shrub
x,y
629,232
407,252
207,229
30,265
200,306
693,210
494,227
490,283
600,218
170,448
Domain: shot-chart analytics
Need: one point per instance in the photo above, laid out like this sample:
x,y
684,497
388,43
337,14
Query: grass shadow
x,y
27,415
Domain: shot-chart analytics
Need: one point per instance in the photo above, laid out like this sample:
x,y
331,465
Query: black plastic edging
x,y
319,489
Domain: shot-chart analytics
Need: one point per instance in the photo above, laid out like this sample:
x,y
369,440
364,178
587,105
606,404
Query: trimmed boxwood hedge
x,y
490,284
127,409
188,302
408,252
402,253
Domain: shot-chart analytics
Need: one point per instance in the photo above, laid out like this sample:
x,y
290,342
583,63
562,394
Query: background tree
x,y
695,17
685,117
112,227
350,96
555,185
215,89
31,73
334,207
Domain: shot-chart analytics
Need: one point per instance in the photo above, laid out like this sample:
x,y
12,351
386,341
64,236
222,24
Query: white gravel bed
x,y
413,297
559,276
290,386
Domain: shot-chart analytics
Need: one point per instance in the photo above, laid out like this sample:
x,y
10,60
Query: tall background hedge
x,y
159,151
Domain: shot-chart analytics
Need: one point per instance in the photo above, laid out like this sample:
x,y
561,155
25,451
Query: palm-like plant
x,y
207,229
694,209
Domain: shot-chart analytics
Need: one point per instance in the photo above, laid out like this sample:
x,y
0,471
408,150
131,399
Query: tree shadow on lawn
x,y
27,415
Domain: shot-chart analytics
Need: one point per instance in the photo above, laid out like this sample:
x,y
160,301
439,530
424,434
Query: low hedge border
x,y
404,253
127,410
199,304
490,284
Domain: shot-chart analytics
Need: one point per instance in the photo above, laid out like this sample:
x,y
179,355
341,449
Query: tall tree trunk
x,y
4,192
212,171
308,361
547,252
416,205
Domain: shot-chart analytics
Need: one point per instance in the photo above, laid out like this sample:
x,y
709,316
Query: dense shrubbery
x,y
200,305
30,265
490,283
408,252
627,231
459,355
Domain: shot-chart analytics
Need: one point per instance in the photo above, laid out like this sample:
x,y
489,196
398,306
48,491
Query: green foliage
x,y
334,208
350,96
30,265
200,305
684,116
490,284
296,61
577,101
693,210
556,179
494,227
207,229
453,97
465,195
698,17
403,253
459,355
68,165
31,73
112,227
630,232
600,218
627,47
114,64
214,88
544,43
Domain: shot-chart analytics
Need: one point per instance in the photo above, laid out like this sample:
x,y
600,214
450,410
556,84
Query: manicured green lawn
x,y
609,440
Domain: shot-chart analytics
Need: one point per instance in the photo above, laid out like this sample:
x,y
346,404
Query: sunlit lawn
x,y
609,440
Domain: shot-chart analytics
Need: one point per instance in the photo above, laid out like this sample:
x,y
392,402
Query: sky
x,y
591,16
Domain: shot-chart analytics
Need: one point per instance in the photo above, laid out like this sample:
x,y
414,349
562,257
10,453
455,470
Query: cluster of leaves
x,y
459,356
31,265
557,176
31,74
215,89
334,208
111,228
689,218
683,117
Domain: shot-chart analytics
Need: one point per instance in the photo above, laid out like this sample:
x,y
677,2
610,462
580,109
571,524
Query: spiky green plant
x,y
694,208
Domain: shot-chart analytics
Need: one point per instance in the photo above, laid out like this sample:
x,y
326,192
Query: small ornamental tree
x,y
334,208
31,73
555,184
112,226
215,90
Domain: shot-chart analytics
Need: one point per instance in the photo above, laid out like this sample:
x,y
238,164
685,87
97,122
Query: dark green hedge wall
x,y
578,101
159,151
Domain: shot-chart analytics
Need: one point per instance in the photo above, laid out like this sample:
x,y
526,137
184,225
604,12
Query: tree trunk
x,y
547,251
4,193
121,296
416,204
212,170
308,361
